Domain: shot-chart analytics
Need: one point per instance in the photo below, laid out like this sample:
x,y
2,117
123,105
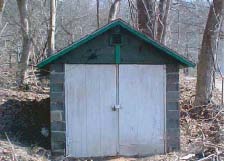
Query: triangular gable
x,y
182,60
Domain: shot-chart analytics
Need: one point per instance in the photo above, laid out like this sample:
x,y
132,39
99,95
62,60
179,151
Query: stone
x,y
57,105
172,78
171,68
57,78
56,116
172,96
172,105
57,87
58,136
58,145
172,87
58,126
58,67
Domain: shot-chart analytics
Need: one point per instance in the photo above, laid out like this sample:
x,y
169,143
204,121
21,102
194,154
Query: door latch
x,y
115,107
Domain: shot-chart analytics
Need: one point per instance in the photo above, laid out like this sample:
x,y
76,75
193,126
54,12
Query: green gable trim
x,y
117,53
111,25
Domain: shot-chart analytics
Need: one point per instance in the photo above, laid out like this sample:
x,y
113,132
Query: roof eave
x,y
82,41
182,60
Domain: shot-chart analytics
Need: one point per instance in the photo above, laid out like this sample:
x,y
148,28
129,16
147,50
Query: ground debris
x,y
202,130
20,153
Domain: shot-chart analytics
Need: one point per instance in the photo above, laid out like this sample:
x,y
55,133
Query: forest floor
x,y
201,130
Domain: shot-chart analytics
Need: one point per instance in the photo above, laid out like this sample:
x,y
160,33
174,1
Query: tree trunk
x,y
206,64
2,6
97,7
146,17
51,36
114,10
164,6
26,42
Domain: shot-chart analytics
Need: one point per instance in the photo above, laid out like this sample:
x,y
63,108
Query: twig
x,y
13,149
205,158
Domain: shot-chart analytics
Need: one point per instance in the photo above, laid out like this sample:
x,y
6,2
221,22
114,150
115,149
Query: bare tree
x,y
26,42
146,17
77,18
152,18
133,13
206,64
164,6
97,15
114,10
51,36
2,6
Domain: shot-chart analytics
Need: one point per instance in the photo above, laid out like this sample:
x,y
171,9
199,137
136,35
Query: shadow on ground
x,y
27,121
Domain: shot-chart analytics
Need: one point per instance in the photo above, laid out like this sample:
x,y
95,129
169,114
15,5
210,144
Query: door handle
x,y
115,107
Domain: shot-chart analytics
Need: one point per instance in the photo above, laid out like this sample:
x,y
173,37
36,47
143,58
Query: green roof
x,y
181,59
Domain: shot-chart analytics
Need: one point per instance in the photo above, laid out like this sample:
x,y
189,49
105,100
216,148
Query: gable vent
x,y
116,39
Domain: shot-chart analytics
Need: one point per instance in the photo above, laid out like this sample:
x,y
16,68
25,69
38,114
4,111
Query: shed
x,y
114,92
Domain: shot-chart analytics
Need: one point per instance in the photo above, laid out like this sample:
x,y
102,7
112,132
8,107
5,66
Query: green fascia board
x,y
117,53
76,44
111,25
159,46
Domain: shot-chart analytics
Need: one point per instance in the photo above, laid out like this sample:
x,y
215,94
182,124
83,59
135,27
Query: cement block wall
x,y
57,106
172,108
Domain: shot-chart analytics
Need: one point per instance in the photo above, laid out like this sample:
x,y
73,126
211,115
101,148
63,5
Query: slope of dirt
x,y
23,115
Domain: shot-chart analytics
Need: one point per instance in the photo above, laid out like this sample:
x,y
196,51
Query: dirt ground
x,y
201,132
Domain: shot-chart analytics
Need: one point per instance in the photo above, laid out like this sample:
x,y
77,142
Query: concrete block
x,y
172,119
56,116
173,133
58,136
58,67
172,123
58,145
172,78
58,126
173,145
57,105
57,95
57,153
172,87
171,68
57,87
172,96
172,105
57,78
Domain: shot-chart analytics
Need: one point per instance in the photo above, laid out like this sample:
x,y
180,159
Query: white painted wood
x,y
92,126
93,129
141,117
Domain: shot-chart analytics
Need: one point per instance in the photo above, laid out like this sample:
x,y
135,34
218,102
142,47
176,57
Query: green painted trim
x,y
76,44
159,46
117,53
111,25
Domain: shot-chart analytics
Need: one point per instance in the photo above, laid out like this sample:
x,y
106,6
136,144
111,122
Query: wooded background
x,y
32,30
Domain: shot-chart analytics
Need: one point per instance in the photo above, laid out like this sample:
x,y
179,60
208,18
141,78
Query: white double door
x,y
94,127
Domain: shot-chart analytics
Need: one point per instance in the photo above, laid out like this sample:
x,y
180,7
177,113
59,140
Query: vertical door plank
x,y
75,109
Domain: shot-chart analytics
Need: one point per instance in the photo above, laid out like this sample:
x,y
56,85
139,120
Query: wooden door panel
x,y
92,126
141,117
